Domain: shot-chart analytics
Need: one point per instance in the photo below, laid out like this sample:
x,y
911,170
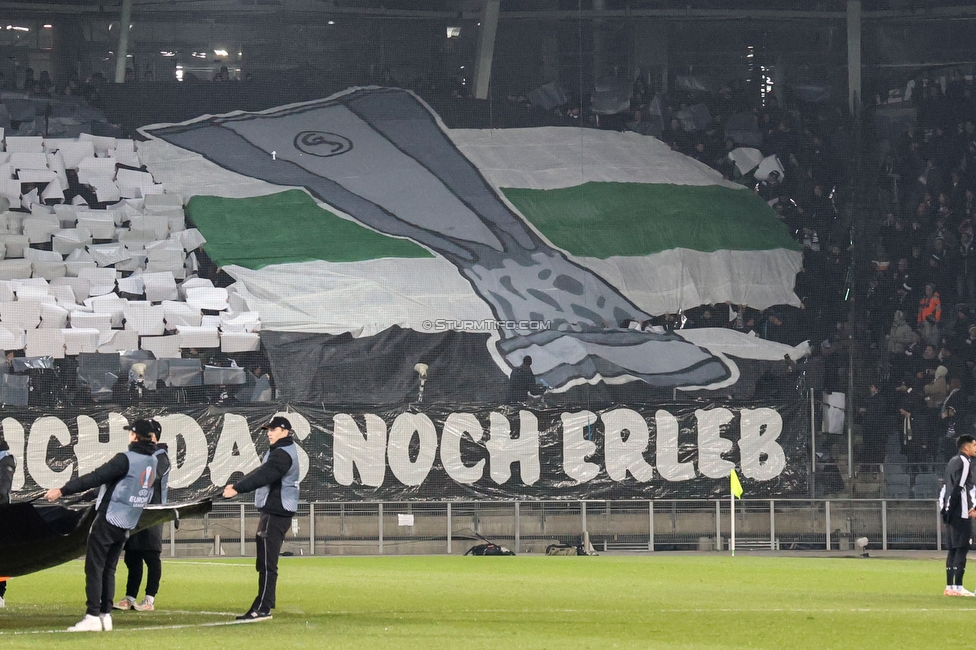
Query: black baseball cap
x,y
276,422
142,428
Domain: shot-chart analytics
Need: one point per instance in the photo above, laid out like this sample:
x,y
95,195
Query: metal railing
x,y
529,526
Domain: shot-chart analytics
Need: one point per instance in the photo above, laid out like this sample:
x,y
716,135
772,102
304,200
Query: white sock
x,y
150,599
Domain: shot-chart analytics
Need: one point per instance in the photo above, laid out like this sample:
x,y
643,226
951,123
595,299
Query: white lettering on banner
x,y
90,452
456,426
576,448
351,448
711,444
13,433
754,443
626,436
503,449
182,428
667,449
235,450
402,431
41,432
626,455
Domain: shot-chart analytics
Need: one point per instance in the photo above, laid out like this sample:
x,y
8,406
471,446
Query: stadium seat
x,y
891,469
927,486
893,444
898,486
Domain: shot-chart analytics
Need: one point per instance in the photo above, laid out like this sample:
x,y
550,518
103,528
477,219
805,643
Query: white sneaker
x,y
88,624
3,603
106,622
963,592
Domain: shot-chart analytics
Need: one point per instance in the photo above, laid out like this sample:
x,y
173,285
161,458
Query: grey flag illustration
x,y
380,156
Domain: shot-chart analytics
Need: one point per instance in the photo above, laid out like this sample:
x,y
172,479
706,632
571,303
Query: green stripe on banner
x,y
284,228
633,219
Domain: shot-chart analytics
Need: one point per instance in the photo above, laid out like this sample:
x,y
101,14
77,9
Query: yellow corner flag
x,y
734,483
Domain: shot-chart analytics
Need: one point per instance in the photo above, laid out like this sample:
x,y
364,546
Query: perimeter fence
x,y
387,528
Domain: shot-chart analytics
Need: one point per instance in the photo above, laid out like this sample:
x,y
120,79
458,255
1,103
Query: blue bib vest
x,y
131,493
289,483
163,479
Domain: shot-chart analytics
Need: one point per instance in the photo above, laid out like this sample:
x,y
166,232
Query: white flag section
x,y
332,297
548,158
561,234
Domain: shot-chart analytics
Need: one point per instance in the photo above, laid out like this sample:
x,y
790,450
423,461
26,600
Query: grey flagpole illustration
x,y
380,156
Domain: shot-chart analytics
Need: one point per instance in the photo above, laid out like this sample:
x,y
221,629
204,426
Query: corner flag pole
x,y
735,491
732,510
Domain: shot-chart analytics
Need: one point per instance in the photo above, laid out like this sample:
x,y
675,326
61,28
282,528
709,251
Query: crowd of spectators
x,y
921,291
44,86
916,288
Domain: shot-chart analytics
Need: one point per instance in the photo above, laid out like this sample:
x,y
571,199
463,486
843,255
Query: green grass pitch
x,y
648,601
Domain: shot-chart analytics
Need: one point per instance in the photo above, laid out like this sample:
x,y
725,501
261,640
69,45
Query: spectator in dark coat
x,y
876,420
522,382
915,436
952,415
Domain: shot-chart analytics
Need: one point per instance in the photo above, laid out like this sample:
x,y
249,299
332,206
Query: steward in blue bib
x,y
146,546
276,488
125,487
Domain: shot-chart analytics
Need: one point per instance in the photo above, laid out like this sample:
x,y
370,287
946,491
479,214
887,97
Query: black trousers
x,y
105,543
133,562
269,537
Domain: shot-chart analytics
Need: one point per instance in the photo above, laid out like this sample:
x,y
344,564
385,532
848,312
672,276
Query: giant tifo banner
x,y
545,242
443,452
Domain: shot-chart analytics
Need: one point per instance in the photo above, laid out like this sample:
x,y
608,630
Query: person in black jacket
x,y
952,414
956,502
522,382
147,545
125,485
8,464
276,486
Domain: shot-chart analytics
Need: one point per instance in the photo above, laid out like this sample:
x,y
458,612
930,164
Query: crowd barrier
x,y
385,528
